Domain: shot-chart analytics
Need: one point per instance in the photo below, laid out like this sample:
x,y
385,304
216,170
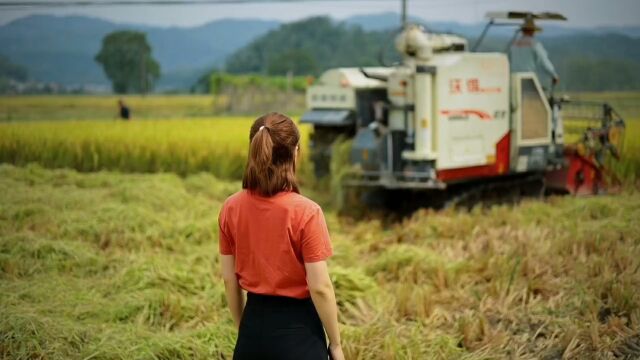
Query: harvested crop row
x,y
109,265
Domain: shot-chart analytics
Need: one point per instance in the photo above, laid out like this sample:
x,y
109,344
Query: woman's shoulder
x,y
289,199
301,204
234,199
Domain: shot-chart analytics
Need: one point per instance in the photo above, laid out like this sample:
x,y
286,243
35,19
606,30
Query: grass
x,y
124,266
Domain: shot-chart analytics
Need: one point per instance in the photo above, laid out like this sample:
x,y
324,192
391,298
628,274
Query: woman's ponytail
x,y
272,150
261,150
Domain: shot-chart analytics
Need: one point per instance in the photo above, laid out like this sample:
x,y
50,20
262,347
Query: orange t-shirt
x,y
271,239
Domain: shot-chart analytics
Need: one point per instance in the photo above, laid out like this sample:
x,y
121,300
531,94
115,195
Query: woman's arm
x,y
324,299
235,298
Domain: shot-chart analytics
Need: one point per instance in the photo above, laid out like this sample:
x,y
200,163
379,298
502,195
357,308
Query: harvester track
x,y
402,203
499,191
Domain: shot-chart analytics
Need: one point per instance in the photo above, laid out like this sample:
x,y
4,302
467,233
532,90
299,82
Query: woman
x,y
273,244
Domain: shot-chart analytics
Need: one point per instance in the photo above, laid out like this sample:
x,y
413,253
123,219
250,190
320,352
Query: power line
x,y
88,3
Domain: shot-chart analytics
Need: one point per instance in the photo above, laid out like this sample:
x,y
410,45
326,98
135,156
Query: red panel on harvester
x,y
499,167
581,176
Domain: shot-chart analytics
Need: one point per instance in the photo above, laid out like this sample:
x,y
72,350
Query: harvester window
x,y
365,105
534,112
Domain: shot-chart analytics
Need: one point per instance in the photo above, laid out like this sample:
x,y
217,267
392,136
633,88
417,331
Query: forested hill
x,y
309,47
597,62
584,61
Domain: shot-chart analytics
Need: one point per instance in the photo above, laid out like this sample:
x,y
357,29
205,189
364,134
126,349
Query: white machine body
x,y
451,115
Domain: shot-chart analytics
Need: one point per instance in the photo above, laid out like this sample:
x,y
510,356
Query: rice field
x,y
182,145
627,103
115,255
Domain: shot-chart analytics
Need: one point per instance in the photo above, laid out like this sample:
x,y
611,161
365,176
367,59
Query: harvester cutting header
x,y
449,120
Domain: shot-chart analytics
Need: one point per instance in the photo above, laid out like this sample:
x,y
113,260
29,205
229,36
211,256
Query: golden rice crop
x,y
183,146
629,165
627,103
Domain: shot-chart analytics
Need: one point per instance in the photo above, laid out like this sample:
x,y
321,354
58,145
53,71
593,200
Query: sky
x,y
581,13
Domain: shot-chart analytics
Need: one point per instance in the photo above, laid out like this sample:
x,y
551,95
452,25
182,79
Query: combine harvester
x,y
458,127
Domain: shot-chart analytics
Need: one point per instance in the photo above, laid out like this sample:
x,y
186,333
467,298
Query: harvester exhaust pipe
x,y
423,122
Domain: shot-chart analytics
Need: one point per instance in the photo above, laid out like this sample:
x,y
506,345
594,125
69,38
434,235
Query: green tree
x,y
9,70
310,46
295,60
127,62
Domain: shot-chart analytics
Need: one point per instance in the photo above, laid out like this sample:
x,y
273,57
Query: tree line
x,y
308,47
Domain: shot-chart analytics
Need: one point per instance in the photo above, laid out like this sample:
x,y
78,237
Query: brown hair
x,y
271,166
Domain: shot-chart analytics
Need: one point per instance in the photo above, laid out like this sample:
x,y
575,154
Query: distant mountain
x,y
381,21
56,49
391,20
631,31
61,49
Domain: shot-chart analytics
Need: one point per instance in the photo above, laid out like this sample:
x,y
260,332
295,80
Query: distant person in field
x,y
125,113
526,54
274,244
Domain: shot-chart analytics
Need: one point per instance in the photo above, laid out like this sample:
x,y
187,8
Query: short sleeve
x,y
224,238
315,241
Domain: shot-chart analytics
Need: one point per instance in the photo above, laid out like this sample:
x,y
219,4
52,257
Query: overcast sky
x,y
581,13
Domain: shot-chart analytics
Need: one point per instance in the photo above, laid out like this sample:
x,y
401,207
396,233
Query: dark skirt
x,y
277,327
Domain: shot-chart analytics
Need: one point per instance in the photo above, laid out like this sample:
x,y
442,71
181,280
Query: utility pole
x,y
289,82
404,13
143,73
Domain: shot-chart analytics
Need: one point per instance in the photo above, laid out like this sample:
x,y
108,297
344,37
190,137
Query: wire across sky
x,y
83,3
